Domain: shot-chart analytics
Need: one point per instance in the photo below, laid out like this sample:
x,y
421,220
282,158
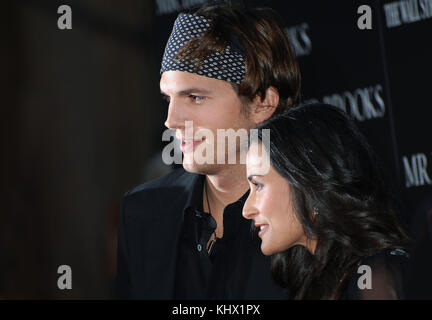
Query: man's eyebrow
x,y
190,91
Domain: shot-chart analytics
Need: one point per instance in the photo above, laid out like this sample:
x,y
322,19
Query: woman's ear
x,y
263,109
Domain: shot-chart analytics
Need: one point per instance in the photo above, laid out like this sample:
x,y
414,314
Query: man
x,y
182,236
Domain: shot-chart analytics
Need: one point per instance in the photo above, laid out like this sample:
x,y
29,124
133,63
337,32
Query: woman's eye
x,y
257,185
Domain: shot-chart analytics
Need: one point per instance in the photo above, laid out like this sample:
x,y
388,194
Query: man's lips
x,y
188,145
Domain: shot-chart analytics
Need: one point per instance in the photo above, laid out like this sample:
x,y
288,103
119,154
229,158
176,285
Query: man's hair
x,y
270,60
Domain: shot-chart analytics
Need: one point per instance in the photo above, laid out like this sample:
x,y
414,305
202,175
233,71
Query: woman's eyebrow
x,y
253,176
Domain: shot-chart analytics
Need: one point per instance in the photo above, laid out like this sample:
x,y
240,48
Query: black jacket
x,y
150,224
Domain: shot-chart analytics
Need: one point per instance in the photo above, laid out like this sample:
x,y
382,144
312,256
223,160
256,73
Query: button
x,y
199,247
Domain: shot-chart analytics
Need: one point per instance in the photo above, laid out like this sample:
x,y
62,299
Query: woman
x,y
322,209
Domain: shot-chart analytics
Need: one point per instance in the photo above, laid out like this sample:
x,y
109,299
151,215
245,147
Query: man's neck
x,y
228,185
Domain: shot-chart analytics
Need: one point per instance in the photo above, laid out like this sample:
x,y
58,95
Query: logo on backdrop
x,y
299,39
362,103
415,168
407,11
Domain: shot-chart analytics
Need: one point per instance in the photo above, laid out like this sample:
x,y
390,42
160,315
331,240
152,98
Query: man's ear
x,y
262,110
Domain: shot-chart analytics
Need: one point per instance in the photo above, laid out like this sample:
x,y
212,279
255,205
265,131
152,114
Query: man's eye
x,y
166,98
197,99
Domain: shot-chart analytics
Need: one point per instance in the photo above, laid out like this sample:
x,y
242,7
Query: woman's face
x,y
269,205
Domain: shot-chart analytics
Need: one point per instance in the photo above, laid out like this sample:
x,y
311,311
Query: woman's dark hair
x,y
270,60
331,169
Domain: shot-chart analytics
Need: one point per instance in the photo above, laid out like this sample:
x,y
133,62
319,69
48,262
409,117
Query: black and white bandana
x,y
228,65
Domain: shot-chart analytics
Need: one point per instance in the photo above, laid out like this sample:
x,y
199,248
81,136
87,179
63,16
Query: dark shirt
x,y
235,269
162,235
386,282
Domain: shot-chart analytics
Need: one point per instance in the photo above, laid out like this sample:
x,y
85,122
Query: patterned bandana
x,y
228,65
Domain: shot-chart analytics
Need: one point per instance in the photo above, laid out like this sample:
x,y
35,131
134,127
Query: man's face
x,y
210,104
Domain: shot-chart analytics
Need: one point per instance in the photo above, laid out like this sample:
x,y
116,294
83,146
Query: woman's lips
x,y
188,145
262,229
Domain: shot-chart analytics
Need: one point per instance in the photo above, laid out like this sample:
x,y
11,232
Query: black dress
x,y
378,277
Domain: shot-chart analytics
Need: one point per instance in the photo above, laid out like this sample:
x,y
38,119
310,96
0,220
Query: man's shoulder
x,y
163,197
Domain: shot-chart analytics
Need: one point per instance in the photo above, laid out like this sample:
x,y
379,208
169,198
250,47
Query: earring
x,y
315,211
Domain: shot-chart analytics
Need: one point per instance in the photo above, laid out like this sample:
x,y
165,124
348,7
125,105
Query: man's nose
x,y
175,118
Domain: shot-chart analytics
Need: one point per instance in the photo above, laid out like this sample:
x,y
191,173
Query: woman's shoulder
x,y
378,276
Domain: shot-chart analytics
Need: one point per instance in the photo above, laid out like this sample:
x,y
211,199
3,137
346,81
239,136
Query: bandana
x,y
228,64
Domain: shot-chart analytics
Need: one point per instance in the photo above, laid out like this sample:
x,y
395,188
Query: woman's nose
x,y
249,210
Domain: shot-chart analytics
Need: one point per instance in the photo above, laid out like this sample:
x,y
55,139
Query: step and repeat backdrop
x,y
372,59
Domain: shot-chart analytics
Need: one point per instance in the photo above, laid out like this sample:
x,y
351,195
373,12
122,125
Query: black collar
x,y
232,212
194,200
